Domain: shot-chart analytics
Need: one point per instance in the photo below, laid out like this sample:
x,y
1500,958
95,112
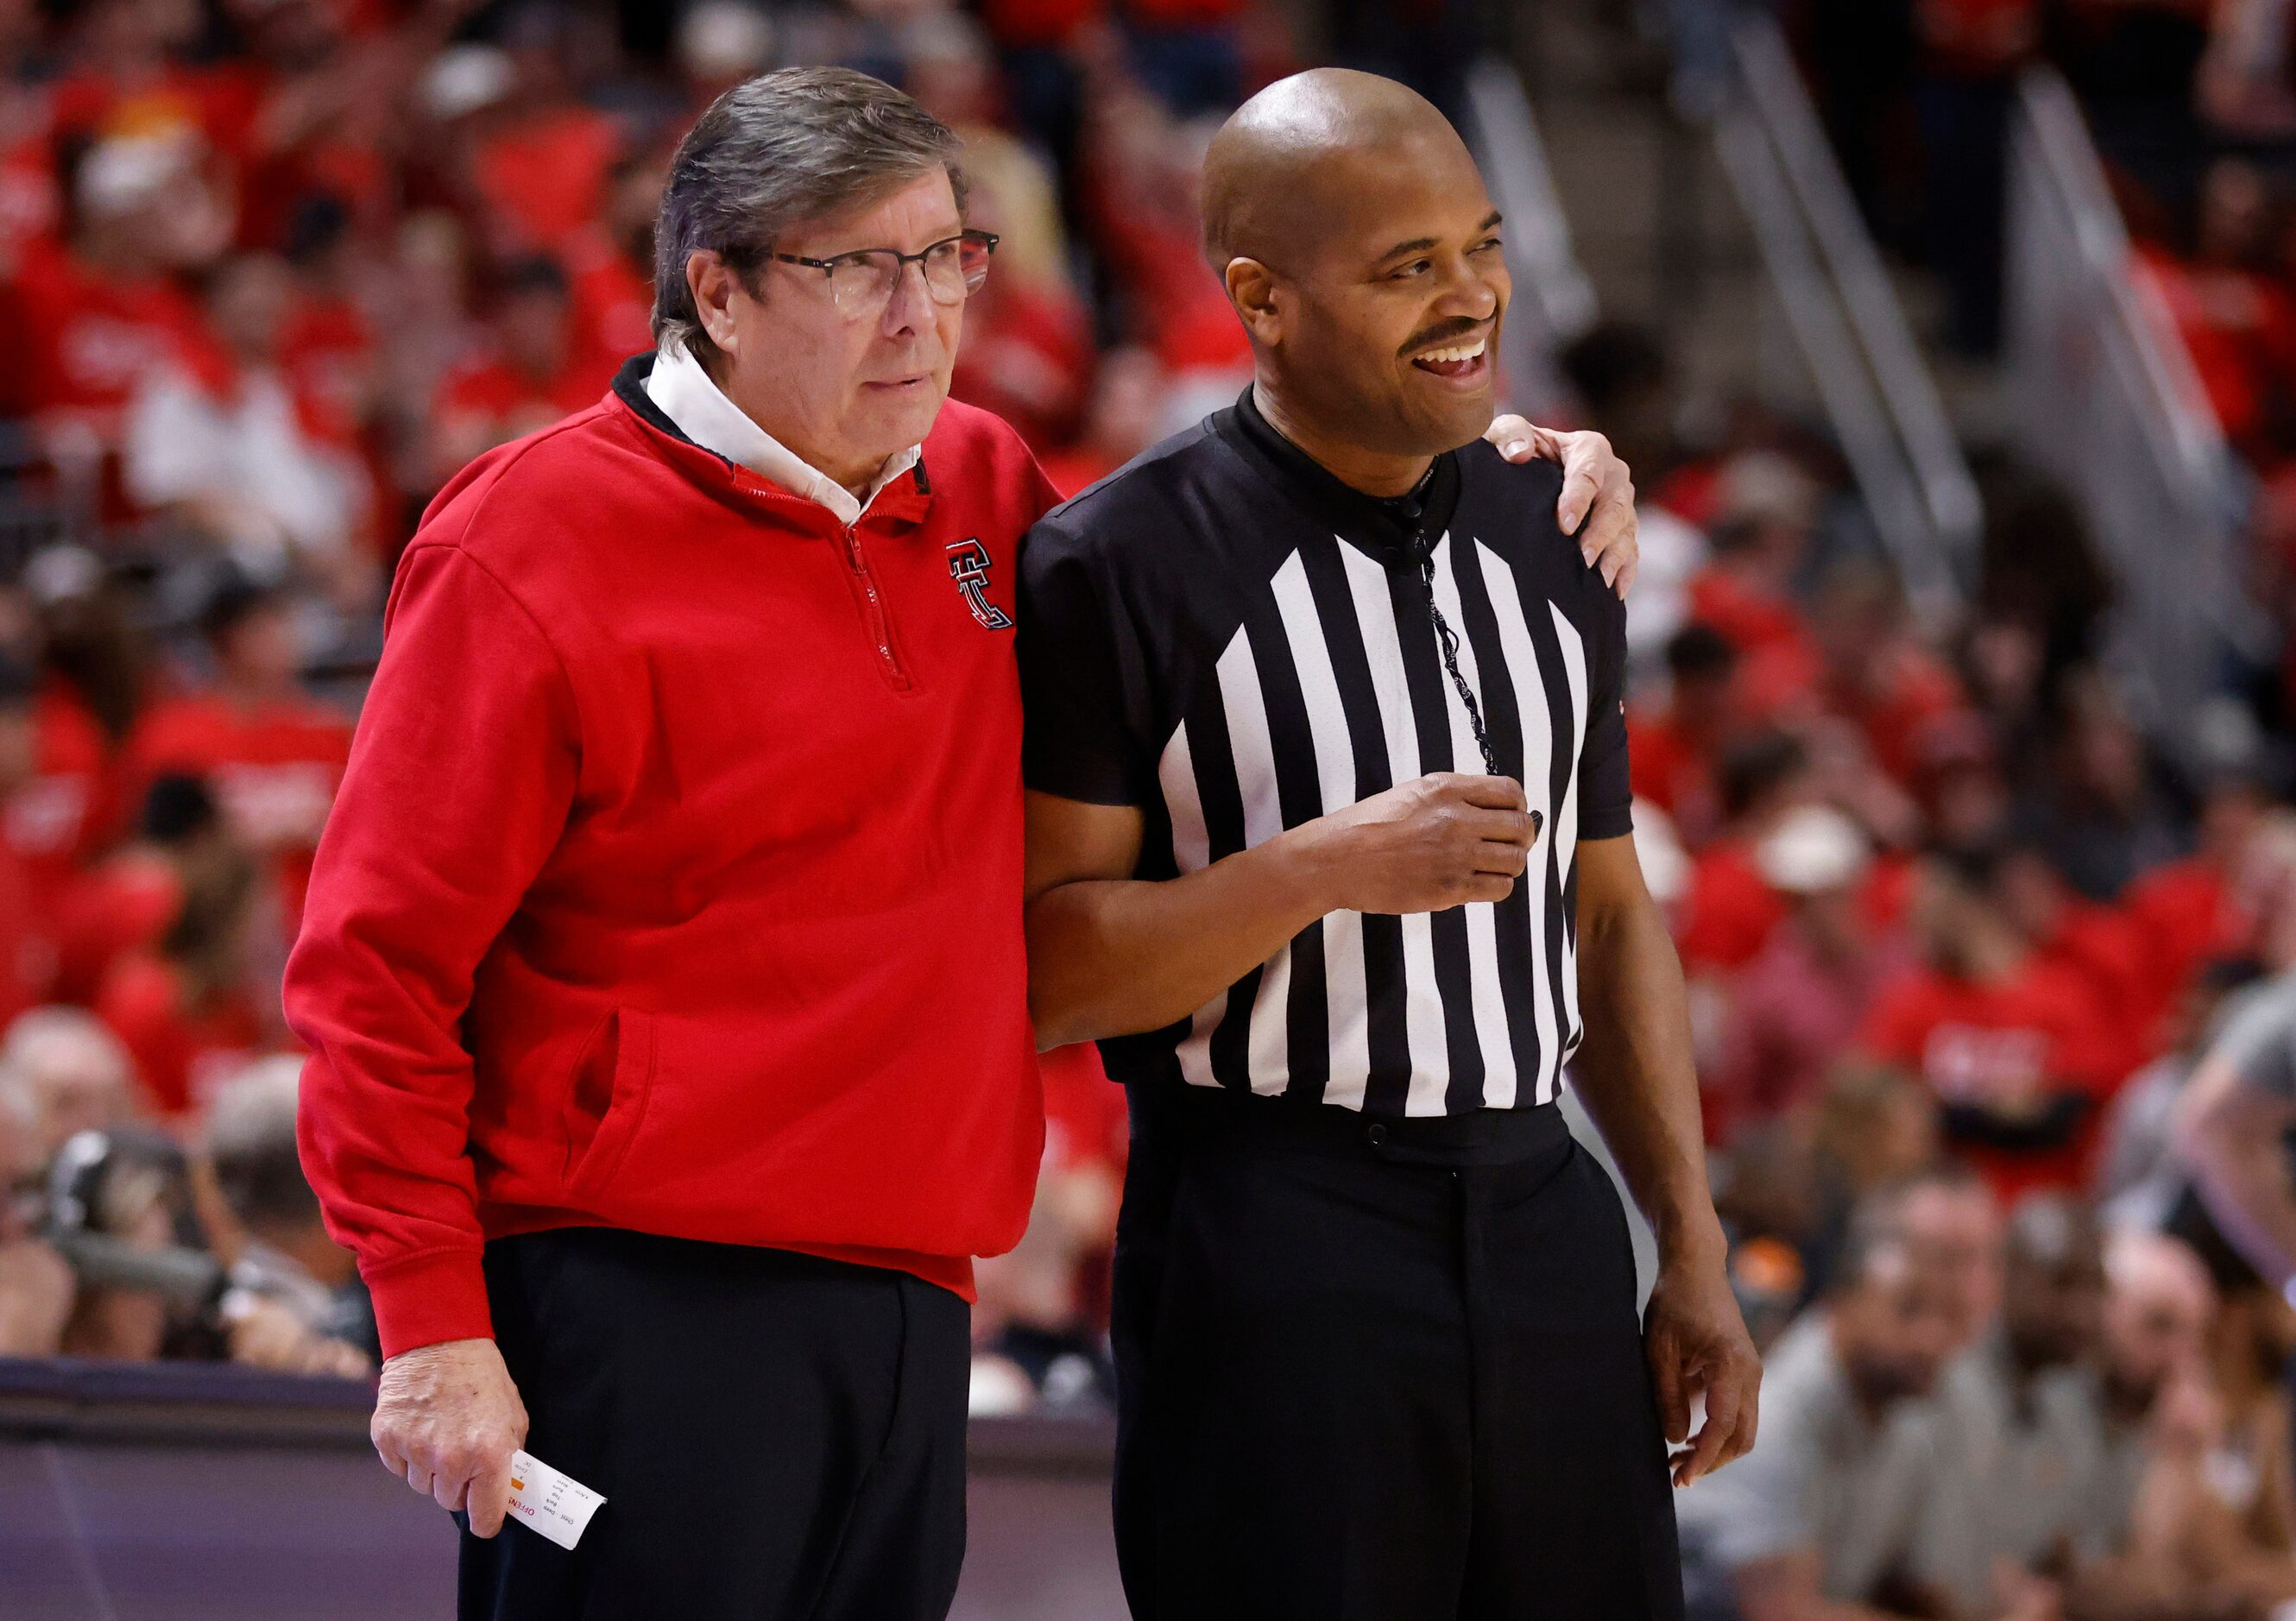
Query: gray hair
x,y
250,1143
772,153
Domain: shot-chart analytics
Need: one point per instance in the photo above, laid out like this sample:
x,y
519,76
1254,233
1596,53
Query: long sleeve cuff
x,y
427,1299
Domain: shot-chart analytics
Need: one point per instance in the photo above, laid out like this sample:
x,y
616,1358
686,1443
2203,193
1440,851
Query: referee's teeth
x,y
1452,361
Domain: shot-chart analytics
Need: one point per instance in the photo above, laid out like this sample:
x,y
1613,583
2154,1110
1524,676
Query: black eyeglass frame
x,y
828,267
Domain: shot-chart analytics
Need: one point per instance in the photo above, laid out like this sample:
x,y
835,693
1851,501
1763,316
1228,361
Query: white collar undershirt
x,y
689,398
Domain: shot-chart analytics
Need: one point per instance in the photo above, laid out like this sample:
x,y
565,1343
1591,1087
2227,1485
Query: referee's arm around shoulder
x,y
461,775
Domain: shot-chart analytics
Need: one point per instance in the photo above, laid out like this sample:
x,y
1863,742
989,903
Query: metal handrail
x,y
1847,322
1554,302
2108,400
1877,316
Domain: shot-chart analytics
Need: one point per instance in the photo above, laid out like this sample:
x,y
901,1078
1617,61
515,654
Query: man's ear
x,y
713,285
1252,288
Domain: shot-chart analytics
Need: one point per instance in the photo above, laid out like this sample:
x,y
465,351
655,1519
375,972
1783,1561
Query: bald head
x,y
1359,248
1283,167
2157,1313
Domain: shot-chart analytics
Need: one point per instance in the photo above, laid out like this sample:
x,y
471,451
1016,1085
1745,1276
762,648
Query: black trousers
x,y
1389,1370
776,1437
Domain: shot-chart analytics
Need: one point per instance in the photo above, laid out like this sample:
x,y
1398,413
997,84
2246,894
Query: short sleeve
x,y
1605,795
2258,1041
1082,678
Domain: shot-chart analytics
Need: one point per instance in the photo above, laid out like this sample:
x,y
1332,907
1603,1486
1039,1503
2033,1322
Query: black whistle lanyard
x,y
1422,548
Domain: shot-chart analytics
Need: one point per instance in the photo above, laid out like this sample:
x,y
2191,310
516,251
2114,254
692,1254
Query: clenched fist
x,y
1428,845
447,1419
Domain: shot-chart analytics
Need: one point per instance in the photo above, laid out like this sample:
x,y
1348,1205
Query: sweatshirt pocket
x,y
606,1098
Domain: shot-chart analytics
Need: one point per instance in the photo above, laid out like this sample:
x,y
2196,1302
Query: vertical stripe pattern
x,y
1331,692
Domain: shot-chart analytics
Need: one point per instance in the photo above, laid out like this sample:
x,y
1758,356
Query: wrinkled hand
x,y
1698,1345
447,1417
1596,486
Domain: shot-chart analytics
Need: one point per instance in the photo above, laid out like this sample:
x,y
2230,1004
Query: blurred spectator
x,y
186,1007
2098,814
28,947
1121,420
87,317
1798,1004
1877,674
93,689
1672,749
271,755
294,1301
2017,1050
536,374
75,1073
35,1282
1822,1511
1953,1226
123,1199
1731,909
1038,1327
219,438
126,901
2032,1479
2212,1511
2141,1174
1761,535
2237,318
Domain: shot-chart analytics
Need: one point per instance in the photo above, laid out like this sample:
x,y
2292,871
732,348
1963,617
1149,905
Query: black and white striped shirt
x,y
1228,637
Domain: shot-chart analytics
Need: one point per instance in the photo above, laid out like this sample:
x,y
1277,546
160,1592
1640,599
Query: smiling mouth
x,y
1457,361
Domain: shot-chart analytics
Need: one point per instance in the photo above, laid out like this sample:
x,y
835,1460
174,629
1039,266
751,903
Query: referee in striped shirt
x,y
1328,847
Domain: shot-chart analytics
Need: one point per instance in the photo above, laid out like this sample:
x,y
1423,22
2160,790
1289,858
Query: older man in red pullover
x,y
662,968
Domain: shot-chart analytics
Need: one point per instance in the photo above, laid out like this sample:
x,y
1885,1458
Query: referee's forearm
x,y
1118,957
1634,1068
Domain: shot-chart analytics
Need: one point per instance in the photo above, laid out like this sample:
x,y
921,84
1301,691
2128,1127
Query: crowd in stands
x,y
1957,932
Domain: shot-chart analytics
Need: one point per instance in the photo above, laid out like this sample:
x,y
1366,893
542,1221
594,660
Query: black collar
x,y
1393,529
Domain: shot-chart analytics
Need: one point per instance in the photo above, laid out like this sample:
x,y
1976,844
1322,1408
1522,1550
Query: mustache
x,y
1435,337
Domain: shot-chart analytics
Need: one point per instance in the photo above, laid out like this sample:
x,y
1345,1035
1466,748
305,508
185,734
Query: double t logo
x,y
968,566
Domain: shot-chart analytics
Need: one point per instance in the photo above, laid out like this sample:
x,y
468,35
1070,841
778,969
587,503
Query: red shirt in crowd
x,y
124,902
1729,911
1673,773
82,339
2186,914
182,1051
545,175
75,799
613,303
2005,1046
1780,661
272,768
1029,359
510,402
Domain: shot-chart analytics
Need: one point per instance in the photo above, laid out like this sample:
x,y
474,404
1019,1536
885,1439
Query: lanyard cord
x,y
1424,549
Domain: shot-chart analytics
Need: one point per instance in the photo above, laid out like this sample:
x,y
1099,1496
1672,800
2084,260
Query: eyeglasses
x,y
862,282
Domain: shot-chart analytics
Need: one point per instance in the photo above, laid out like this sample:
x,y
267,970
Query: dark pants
x,y
1380,1370
776,1437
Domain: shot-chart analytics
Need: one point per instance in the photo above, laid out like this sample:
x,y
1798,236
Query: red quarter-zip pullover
x,y
675,880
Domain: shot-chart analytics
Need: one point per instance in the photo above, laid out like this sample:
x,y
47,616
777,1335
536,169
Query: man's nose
x,y
908,308
1469,291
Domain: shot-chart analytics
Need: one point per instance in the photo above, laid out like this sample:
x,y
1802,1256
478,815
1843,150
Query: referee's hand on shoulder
x,y
1432,843
447,1419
